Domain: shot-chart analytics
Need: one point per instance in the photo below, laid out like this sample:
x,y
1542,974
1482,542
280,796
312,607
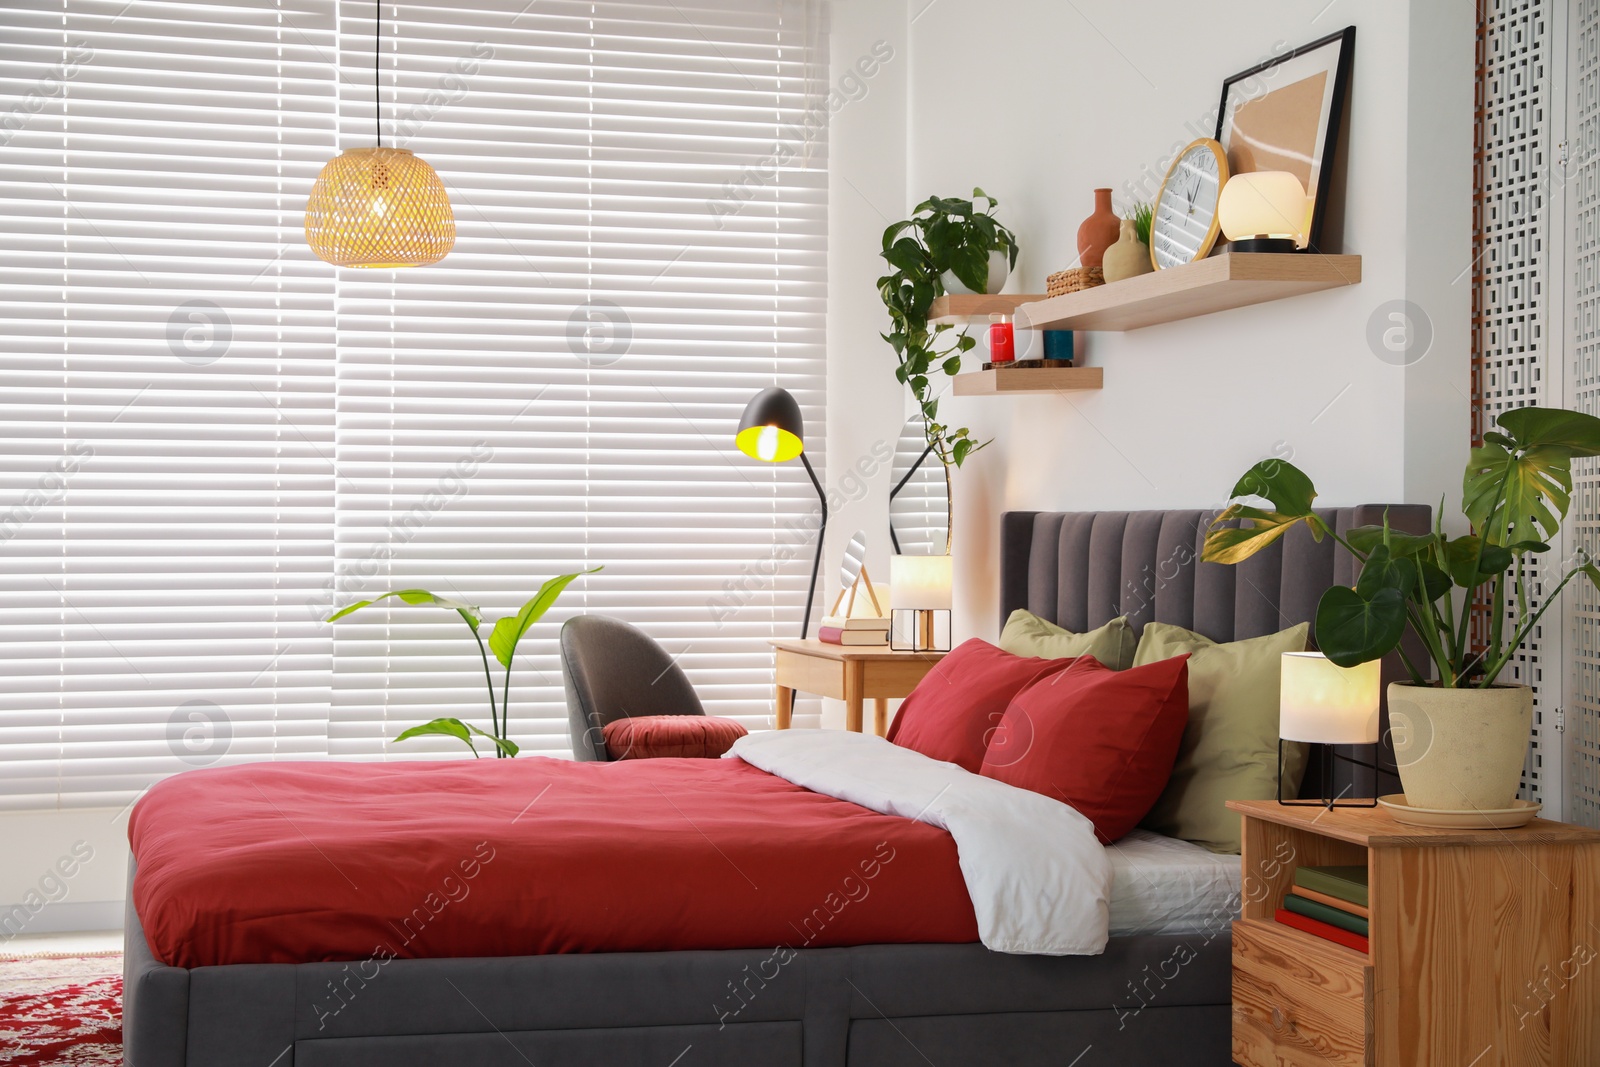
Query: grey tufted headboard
x,y
1080,569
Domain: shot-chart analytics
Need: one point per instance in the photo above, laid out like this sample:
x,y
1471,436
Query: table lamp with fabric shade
x,y
772,430
1323,703
922,585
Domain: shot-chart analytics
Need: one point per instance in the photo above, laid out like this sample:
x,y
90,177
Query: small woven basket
x,y
1074,279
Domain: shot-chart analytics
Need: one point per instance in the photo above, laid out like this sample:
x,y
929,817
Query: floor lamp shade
x,y
379,207
1325,703
772,429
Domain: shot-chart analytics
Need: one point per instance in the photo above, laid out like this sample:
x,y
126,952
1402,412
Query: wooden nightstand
x,y
851,673
1484,946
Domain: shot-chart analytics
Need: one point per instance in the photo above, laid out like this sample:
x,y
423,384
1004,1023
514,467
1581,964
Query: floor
x,y
75,944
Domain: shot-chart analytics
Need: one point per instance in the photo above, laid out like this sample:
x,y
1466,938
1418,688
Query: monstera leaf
x,y
1289,491
1353,629
1519,483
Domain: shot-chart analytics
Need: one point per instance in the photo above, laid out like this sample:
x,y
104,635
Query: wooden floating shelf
x,y
958,307
1027,380
1218,283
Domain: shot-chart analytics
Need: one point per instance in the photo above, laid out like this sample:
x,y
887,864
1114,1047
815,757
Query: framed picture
x,y
1284,115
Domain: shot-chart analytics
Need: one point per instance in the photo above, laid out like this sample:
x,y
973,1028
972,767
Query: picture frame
x,y
1286,114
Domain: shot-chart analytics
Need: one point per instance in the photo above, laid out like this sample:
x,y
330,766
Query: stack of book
x,y
1330,902
855,630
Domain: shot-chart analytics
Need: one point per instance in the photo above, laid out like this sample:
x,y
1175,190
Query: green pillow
x,y
1230,747
1028,635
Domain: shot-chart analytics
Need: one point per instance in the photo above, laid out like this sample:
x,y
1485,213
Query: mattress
x,y
1161,885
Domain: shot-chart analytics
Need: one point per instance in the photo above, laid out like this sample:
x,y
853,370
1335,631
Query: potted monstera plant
x,y
1460,736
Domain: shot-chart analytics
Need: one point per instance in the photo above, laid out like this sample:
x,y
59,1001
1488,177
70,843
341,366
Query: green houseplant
x,y
1460,738
953,237
504,637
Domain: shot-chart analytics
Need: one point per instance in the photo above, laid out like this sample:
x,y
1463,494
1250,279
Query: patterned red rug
x,y
61,1012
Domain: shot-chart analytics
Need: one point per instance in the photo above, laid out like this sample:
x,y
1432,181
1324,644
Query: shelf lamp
x,y
1263,211
1323,703
921,585
773,431
379,207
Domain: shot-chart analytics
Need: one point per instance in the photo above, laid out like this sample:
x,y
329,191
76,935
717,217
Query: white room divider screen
x,y
208,438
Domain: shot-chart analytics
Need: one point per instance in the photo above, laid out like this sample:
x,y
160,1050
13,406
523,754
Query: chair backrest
x,y
613,670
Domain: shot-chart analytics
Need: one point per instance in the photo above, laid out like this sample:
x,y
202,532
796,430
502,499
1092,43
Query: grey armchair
x,y
613,670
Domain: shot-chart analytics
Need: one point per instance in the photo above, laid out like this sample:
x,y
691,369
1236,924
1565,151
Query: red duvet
x,y
297,862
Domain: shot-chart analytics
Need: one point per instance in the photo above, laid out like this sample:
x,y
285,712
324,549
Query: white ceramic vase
x,y
999,268
1460,749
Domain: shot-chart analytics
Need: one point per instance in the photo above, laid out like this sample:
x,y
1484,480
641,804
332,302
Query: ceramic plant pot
x,y
1129,257
1460,749
1098,232
999,268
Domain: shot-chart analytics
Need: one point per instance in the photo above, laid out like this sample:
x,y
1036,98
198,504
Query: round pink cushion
x,y
649,736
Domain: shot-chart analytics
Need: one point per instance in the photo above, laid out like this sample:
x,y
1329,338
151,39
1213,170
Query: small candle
x,y
1002,340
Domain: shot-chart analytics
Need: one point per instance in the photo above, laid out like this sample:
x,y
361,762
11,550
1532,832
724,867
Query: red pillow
x,y
953,710
1104,741
652,736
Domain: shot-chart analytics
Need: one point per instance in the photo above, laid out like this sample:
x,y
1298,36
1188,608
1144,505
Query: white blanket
x,y
1040,883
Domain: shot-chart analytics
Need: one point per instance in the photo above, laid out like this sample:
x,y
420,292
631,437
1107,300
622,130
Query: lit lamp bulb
x,y
1263,211
767,444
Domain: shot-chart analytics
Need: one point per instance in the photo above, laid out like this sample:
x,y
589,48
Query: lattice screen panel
x,y
1509,270
1583,394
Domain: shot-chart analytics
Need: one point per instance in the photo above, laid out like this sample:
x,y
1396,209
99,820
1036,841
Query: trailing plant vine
x,y
941,235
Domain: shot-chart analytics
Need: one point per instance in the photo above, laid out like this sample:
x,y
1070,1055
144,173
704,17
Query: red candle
x,y
1002,341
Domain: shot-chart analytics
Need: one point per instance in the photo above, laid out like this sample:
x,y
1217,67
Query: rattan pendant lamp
x,y
379,207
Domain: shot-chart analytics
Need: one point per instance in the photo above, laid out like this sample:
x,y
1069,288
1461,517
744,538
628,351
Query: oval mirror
x,y
919,501
855,557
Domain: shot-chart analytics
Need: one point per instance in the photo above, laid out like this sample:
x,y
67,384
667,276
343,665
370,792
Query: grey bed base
x,y
1148,999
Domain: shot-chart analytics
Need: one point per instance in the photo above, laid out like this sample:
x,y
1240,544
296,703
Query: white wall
x,y
1040,102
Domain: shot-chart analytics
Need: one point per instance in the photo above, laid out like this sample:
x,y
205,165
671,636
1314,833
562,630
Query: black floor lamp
x,y
773,431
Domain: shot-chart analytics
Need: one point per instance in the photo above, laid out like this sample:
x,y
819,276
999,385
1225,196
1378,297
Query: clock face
x,y
1184,224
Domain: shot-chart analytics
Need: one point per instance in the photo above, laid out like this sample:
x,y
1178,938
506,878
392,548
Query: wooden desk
x,y
851,673
1483,945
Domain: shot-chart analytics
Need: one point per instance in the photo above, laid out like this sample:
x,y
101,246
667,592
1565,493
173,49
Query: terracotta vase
x,y
1129,257
1098,232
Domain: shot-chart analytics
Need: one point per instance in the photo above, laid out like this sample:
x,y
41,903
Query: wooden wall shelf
x,y
1218,283
959,307
1027,380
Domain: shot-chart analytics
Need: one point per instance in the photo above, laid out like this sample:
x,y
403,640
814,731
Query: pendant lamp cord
x,y
377,115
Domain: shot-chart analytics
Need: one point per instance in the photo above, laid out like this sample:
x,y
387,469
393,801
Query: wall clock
x,y
1184,225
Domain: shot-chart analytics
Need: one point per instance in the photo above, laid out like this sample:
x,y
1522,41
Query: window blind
x,y
639,192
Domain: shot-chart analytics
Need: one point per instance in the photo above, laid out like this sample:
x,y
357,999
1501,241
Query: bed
x,y
1160,989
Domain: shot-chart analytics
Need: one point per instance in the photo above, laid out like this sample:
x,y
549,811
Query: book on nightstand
x,y
854,630
1322,930
1325,913
1333,902
1345,883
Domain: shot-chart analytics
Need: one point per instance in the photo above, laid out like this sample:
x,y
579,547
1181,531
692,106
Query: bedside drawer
x,y
1298,1001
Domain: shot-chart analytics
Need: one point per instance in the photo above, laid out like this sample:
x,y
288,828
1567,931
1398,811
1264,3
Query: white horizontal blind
x,y
166,415
561,391
210,437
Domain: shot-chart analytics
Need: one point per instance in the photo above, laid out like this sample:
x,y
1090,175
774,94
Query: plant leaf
x,y
415,596
510,748
1401,545
1287,486
1536,427
1435,582
1461,554
449,727
509,630
1352,629
971,265
1538,489
1225,544
1382,572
